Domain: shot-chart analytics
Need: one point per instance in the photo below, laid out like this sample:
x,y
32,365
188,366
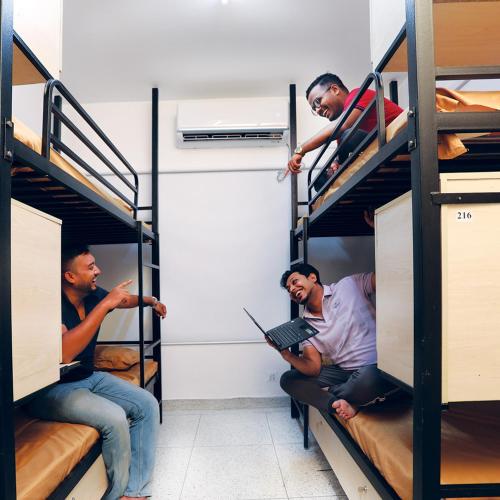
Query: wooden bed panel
x,y
36,299
93,484
393,258
466,34
351,478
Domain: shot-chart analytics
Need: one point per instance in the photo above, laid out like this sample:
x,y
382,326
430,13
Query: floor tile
x,y
232,473
170,472
286,430
233,429
178,430
306,472
225,404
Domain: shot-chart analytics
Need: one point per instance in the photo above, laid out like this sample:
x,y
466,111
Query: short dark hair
x,y
70,251
324,80
304,269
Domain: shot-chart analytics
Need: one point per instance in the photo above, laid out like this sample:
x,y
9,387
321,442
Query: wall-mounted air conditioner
x,y
232,123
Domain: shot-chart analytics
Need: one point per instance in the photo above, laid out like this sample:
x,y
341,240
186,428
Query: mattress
x,y
470,441
133,373
449,145
29,138
46,452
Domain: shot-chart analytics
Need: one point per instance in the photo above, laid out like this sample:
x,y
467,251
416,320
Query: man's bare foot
x,y
344,409
132,498
332,168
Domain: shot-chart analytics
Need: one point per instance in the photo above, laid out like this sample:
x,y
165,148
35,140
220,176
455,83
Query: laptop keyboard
x,y
285,334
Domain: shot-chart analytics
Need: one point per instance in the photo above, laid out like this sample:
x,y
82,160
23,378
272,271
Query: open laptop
x,y
287,334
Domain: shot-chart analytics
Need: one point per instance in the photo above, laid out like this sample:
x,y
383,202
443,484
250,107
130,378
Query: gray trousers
x,y
359,387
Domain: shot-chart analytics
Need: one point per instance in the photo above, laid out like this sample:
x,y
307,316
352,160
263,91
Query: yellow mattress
x,y
470,443
133,373
449,145
29,138
46,452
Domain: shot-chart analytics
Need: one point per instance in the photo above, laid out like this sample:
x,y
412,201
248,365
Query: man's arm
x,y
373,282
320,138
308,364
133,301
75,340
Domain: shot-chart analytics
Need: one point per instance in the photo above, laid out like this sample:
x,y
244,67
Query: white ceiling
x,y
116,50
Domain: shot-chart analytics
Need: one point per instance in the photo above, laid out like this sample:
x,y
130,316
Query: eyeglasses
x,y
316,104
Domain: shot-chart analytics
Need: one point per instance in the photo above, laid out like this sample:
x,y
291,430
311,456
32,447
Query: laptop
x,y
289,333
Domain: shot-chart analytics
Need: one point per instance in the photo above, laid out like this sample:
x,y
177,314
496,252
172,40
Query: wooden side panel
x,y
350,476
471,291
93,484
394,269
36,299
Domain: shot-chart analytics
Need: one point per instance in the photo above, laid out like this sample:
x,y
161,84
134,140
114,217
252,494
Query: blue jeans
x,y
127,418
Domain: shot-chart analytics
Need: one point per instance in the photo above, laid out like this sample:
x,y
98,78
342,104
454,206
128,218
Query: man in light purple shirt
x,y
343,355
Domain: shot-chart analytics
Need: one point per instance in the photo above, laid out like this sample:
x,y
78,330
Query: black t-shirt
x,y
71,319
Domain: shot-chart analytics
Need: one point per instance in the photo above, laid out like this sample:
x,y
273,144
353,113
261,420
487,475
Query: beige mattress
x,y
133,373
470,443
29,138
449,145
46,452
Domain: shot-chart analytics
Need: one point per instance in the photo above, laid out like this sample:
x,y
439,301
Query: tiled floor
x,y
238,449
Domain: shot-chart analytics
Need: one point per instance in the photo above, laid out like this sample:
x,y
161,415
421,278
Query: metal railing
x,y
378,131
53,116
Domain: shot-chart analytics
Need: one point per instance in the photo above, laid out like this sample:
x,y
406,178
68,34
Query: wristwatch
x,y
155,301
298,151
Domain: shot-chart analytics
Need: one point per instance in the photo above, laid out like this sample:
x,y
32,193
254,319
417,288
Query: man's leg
x,y
141,408
365,386
310,389
74,402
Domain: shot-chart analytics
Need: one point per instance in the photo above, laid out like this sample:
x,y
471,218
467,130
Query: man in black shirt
x,y
126,416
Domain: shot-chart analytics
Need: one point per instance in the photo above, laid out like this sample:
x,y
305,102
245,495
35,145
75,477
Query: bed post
x,y
7,445
156,245
294,247
422,143
293,145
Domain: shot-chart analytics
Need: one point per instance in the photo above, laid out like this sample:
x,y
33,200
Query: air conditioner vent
x,y
240,136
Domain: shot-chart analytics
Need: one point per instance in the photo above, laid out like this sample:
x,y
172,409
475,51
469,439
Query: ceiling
x,y
116,50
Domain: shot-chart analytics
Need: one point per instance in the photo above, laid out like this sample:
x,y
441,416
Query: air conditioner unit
x,y
232,123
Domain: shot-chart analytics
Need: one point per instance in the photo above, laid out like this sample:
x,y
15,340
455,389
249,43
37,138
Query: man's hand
x,y
295,163
119,295
369,217
160,310
284,353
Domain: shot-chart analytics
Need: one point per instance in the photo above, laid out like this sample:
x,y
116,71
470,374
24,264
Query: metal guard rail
x,y
50,110
378,102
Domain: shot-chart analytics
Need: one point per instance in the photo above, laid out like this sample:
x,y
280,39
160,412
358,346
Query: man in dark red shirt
x,y
329,98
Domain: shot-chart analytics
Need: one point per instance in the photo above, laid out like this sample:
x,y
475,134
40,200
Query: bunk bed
x,y
436,444
48,177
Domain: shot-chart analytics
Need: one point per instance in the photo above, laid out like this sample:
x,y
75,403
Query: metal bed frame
x,y
338,218
86,217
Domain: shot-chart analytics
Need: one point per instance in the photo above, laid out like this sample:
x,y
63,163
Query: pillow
x,y
114,357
